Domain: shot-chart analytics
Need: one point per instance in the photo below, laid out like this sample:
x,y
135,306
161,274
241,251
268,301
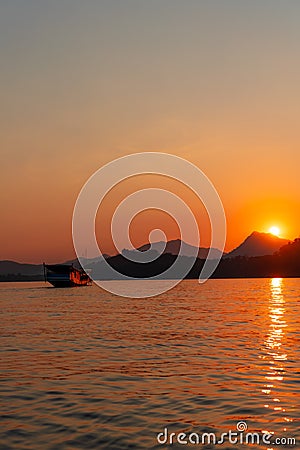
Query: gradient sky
x,y
84,82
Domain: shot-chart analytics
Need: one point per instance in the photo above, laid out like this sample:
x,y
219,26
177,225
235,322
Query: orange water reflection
x,y
273,342
274,349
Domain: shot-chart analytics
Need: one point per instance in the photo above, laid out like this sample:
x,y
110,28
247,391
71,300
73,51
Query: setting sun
x,y
274,230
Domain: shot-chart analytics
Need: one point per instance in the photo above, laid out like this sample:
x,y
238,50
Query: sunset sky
x,y
84,82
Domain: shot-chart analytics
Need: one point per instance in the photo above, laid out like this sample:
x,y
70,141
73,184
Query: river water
x,y
83,369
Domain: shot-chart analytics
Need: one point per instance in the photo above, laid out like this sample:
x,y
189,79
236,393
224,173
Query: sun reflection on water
x,y
274,353
273,342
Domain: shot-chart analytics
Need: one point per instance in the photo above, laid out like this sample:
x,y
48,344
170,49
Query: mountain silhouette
x,y
173,247
260,255
258,244
85,261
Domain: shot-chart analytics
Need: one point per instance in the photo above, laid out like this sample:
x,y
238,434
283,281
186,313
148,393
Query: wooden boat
x,y
63,275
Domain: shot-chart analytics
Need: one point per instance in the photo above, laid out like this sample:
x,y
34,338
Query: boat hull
x,y
65,283
60,275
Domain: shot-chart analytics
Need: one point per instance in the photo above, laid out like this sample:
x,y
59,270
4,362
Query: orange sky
x,y
84,83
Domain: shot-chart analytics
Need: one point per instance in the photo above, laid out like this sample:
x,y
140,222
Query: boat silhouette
x,y
65,275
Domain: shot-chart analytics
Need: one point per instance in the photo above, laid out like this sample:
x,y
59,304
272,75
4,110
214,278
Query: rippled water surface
x,y
82,369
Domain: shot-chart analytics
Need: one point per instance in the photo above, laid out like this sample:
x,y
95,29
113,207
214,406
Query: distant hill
x,y
173,248
283,263
86,261
290,253
258,244
260,255
14,271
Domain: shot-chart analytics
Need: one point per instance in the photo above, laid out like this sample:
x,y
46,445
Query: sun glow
x,y
274,230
